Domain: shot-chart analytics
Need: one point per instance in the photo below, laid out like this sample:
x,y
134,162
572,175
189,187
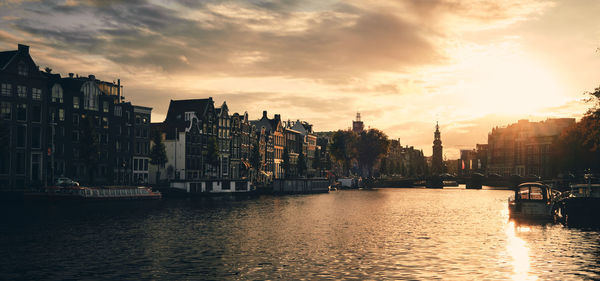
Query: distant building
x,y
468,163
404,161
436,159
524,148
357,125
271,143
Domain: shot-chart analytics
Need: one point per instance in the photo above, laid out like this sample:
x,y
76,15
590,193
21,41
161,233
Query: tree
x,y
158,155
578,146
212,152
371,145
255,160
316,164
89,146
342,148
286,163
301,164
383,168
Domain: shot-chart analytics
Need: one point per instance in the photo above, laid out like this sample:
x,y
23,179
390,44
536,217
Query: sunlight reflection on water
x,y
518,250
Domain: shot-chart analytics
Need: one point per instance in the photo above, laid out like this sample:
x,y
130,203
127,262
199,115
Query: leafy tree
x,y
255,160
158,155
89,150
316,164
301,165
383,167
286,163
342,148
371,145
578,146
212,152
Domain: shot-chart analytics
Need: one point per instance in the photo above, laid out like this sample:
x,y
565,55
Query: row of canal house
x,y
207,143
45,134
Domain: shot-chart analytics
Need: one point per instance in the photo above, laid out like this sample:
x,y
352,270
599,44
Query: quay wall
x,y
316,185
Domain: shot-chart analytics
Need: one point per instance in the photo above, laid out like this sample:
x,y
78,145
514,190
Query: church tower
x,y
436,161
357,125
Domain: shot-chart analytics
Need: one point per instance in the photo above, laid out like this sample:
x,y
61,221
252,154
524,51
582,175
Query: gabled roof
x,y
5,58
178,108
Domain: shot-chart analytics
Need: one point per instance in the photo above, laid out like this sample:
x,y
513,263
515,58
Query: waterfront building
x,y
271,132
224,140
190,133
436,159
23,96
468,162
141,142
358,125
309,140
404,161
524,148
92,130
294,143
243,139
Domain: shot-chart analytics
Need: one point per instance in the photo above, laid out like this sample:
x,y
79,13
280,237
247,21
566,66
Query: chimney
x,y
71,75
277,117
92,77
23,49
264,114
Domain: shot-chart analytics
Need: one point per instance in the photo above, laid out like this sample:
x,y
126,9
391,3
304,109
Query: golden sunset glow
x,y
471,65
519,252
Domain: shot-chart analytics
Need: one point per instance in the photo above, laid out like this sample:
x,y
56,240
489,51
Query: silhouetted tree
x,y
255,160
301,165
286,163
158,155
342,148
89,146
371,145
316,164
212,152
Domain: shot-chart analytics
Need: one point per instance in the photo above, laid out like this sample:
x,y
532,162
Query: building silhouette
x,y
437,161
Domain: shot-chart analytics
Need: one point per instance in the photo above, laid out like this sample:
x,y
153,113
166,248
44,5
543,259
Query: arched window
x,y
57,93
90,95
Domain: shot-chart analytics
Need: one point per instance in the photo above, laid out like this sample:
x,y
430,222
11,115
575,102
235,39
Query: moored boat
x,y
532,201
580,205
90,193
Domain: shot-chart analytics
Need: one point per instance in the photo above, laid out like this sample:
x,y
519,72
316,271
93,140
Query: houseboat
x,y
76,192
580,205
532,201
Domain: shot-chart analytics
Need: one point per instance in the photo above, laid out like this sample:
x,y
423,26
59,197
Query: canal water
x,y
411,234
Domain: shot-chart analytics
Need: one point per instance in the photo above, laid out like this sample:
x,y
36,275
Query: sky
x,y
470,65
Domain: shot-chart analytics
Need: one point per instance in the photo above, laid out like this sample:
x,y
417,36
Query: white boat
x,y
532,201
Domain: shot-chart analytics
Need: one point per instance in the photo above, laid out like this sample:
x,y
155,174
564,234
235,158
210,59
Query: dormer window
x,y
189,115
22,67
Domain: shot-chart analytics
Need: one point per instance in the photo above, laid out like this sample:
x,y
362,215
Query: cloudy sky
x,y
470,64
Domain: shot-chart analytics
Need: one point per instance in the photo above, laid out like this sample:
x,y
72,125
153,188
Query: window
x,y
105,106
36,166
76,119
36,113
90,95
22,68
75,136
6,89
36,137
145,164
20,162
75,102
5,111
5,163
61,114
105,122
57,93
36,94
22,112
21,136
118,111
22,91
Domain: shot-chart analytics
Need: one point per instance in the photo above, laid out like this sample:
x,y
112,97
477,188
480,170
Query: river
x,y
401,234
